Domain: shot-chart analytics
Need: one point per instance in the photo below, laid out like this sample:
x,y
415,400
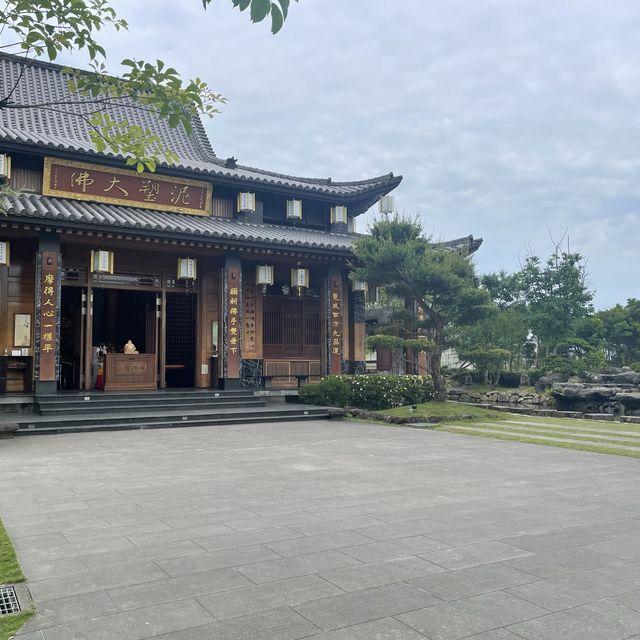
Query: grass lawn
x,y
444,409
598,436
616,438
10,572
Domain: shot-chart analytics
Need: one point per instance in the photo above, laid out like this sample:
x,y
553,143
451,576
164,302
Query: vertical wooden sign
x,y
233,324
48,297
335,325
249,315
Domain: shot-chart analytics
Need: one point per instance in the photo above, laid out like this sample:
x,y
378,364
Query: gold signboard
x,y
82,181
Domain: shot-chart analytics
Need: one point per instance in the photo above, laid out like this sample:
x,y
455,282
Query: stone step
x,y
33,425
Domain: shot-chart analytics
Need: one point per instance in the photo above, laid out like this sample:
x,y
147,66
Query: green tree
x,y
556,296
621,332
46,28
442,283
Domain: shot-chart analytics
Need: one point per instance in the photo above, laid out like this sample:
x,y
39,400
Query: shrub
x,y
535,375
509,379
373,392
635,366
332,391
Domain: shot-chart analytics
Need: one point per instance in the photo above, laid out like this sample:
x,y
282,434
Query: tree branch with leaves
x,y
48,28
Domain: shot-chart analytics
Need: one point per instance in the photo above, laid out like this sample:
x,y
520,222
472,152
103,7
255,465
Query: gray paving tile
x,y
41,569
216,560
280,568
378,573
276,624
363,606
630,600
246,538
144,623
557,563
310,544
402,529
196,584
604,620
110,578
271,595
626,547
554,541
571,590
53,633
330,526
78,607
454,620
385,629
176,535
374,551
172,550
463,583
255,522
473,555
496,634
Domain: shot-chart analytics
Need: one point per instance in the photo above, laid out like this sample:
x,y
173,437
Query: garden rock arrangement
x,y
609,393
504,396
362,414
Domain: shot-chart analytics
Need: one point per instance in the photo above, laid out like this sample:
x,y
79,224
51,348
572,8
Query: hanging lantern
x,y
338,215
5,167
264,276
359,285
246,202
300,279
187,268
102,261
294,209
386,204
4,253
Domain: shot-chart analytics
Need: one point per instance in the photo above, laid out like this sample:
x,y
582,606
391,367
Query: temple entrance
x,y
71,337
121,315
180,339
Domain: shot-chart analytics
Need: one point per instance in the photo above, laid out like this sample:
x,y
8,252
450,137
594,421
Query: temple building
x,y
204,274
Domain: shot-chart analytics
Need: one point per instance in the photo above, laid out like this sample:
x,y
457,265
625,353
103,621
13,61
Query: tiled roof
x,y
35,208
59,130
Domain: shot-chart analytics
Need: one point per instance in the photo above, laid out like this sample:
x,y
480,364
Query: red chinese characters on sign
x,y
233,322
48,287
67,179
335,333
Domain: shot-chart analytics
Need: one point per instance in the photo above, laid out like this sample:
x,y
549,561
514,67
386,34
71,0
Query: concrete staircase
x,y
99,411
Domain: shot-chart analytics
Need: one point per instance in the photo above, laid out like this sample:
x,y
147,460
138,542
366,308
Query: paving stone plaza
x,y
325,530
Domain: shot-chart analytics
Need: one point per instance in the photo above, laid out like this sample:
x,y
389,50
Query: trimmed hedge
x,y
373,392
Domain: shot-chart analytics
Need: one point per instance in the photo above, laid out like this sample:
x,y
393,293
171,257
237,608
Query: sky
x,y
517,121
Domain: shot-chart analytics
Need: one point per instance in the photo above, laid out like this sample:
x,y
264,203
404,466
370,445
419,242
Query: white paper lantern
x,y
102,261
300,278
339,215
294,209
359,285
264,274
187,268
246,202
387,204
4,252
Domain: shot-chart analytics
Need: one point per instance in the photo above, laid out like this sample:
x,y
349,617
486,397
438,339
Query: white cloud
x,y
509,119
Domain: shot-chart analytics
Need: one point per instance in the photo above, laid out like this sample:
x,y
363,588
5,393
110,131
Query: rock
x,y
598,416
570,414
546,382
336,414
628,398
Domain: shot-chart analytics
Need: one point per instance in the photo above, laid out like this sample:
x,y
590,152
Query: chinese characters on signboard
x,y
48,297
249,315
67,179
233,322
335,302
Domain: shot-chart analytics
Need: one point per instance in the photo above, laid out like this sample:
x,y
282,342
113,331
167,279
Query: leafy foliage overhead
x,y
47,28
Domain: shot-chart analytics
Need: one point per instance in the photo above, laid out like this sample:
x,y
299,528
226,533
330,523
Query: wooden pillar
x,y
87,310
232,322
47,328
162,353
358,333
